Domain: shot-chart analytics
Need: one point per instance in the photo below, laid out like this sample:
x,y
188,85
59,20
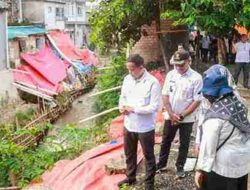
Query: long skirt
x,y
213,181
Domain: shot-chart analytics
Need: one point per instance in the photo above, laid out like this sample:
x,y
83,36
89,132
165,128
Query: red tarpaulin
x,y
67,47
159,76
87,172
47,64
31,78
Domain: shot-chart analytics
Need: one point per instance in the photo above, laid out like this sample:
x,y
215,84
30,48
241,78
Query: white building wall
x,y
33,11
3,41
75,18
51,20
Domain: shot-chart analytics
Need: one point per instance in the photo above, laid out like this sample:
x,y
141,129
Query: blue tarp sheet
x,y
24,31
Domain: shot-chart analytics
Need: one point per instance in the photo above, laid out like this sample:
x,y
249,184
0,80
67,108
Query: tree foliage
x,y
214,16
109,78
117,22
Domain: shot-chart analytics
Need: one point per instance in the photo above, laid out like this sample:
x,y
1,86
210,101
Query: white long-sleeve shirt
x,y
144,95
232,159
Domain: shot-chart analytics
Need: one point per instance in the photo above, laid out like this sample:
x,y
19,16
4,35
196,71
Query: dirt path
x,y
82,108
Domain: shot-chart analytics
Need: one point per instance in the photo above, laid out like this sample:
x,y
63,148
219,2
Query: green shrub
x,y
28,164
108,79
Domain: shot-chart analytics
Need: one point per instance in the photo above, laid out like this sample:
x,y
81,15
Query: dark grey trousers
x,y
245,67
169,133
147,141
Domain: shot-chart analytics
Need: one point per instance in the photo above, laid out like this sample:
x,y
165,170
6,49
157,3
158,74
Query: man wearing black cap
x,y
181,97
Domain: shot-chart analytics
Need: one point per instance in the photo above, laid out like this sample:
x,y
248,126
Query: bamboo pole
x,y
99,114
58,50
104,68
10,188
107,90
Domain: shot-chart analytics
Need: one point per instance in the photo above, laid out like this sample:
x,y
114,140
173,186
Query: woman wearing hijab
x,y
224,154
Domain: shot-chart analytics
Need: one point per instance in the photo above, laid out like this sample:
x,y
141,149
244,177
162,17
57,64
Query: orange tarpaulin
x,y
241,29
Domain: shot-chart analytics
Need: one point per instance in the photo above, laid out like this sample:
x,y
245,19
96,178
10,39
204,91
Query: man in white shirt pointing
x,y
139,102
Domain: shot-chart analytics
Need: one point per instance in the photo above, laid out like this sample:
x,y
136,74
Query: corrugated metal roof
x,y
24,31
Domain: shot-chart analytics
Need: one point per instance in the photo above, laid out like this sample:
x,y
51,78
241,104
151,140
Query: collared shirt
x,y
232,159
144,95
182,91
242,52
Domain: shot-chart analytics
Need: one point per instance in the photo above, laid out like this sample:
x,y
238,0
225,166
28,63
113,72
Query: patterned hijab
x,y
228,106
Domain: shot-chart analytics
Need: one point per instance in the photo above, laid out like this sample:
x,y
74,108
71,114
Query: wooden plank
x,y
34,92
37,88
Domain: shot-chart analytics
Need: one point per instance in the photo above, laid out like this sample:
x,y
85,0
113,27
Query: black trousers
x,y
245,68
204,54
169,133
213,181
147,141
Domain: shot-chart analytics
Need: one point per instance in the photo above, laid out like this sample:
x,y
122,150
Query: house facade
x,y
67,15
49,13
76,21
14,11
23,39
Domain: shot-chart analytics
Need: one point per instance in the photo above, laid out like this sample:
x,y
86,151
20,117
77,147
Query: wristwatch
x,y
181,117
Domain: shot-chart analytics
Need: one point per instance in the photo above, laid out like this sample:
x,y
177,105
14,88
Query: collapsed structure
x,y
58,66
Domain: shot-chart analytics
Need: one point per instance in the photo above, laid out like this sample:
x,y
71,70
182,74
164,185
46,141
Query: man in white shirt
x,y
139,102
242,50
181,96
